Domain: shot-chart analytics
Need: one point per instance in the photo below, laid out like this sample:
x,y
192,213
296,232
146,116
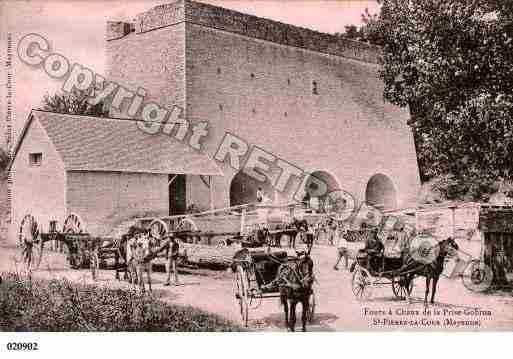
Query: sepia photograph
x,y
255,166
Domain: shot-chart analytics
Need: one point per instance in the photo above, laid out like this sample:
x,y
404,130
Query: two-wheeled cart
x,y
253,271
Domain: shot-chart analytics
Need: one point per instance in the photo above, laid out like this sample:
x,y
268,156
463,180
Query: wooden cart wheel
x,y
241,293
222,243
187,225
73,224
30,243
361,284
26,230
477,276
158,229
400,288
311,308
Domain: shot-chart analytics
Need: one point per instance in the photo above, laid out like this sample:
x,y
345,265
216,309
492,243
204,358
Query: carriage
x,y
254,271
374,269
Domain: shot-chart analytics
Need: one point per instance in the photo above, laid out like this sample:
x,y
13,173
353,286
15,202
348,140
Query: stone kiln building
x,y
309,98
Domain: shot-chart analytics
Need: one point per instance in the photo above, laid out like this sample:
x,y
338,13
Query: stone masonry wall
x,y
263,93
255,78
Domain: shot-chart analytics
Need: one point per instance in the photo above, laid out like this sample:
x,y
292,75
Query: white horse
x,y
138,250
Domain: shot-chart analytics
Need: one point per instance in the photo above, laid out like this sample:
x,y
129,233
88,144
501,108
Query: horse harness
x,y
294,268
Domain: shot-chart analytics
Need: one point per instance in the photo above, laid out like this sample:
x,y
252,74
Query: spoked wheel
x,y
30,243
158,229
73,224
311,308
241,293
222,243
187,225
477,276
402,287
361,284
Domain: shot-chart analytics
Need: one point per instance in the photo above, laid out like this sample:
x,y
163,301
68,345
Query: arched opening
x,y
380,193
243,189
318,186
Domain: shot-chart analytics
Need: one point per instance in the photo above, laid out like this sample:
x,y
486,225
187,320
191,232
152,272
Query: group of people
x,y
140,250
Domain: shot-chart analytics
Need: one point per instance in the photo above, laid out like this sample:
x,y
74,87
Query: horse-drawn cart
x,y
220,227
424,256
372,270
255,272
82,250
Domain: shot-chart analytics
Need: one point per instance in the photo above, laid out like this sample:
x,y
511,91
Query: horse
x,y
432,270
135,248
124,251
294,280
140,251
262,236
302,230
274,239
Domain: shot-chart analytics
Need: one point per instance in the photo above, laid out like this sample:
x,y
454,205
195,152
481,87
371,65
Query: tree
x,y
352,32
75,103
451,63
369,32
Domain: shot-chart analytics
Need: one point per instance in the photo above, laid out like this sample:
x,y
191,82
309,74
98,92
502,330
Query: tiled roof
x,y
89,143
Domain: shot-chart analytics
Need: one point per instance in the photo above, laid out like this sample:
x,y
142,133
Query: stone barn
x,y
305,98
104,170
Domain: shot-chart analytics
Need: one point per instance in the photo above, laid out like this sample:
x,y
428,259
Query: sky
x,y
76,29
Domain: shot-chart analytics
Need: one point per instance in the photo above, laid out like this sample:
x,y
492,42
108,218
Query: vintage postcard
x,y
226,165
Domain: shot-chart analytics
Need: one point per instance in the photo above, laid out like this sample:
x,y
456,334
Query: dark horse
x,y
431,270
294,280
300,228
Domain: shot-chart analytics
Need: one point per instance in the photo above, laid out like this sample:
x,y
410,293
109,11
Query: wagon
x,y
254,269
82,250
372,271
221,227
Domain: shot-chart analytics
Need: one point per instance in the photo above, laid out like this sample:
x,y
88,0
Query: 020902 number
x,y
22,346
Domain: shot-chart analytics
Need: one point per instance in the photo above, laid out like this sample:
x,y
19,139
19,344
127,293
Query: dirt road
x,y
337,309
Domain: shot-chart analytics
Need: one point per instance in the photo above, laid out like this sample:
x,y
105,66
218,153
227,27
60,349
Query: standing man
x,y
259,195
342,250
172,258
403,240
332,230
306,199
